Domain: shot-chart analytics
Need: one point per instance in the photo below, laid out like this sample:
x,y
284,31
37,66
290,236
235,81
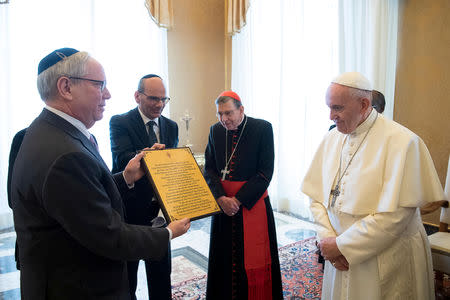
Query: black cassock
x,y
252,162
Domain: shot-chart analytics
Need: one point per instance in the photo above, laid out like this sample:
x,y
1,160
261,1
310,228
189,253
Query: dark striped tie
x,y
151,133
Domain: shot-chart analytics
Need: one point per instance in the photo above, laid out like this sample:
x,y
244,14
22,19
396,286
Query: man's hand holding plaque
x,y
133,171
179,227
156,146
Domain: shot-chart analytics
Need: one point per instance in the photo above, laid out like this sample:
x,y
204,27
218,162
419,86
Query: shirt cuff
x,y
130,186
170,233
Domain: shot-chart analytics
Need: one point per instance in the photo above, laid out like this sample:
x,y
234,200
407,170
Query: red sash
x,y
257,258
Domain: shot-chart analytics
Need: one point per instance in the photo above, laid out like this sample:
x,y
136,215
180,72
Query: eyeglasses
x,y
101,83
164,100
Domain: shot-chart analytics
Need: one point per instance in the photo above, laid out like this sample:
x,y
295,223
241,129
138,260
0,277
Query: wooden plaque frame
x,y
179,185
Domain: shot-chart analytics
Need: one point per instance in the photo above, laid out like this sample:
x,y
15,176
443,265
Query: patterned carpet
x,y
300,271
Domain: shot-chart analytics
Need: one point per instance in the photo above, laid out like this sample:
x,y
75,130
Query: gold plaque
x,y
179,184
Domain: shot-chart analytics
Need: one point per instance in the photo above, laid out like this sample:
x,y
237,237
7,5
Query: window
x,y
119,34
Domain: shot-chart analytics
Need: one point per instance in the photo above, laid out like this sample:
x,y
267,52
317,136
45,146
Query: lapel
x,y
162,130
139,127
72,131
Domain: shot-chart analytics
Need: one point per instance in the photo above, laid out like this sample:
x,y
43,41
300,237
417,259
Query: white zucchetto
x,y
353,79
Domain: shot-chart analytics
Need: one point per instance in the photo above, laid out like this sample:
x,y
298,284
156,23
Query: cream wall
x,y
422,90
197,60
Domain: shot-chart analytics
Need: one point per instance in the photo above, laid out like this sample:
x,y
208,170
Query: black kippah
x,y
55,57
150,76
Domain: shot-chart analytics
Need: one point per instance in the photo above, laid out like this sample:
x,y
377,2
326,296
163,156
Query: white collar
x,y
364,126
146,120
75,122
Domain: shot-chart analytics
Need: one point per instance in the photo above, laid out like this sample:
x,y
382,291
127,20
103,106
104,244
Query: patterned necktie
x,y
151,133
94,142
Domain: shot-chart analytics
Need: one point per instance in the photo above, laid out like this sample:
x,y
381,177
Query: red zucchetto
x,y
230,94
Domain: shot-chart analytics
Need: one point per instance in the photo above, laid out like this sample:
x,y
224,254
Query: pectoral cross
x,y
335,194
225,172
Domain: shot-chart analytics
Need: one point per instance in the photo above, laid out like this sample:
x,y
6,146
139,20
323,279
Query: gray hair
x,y
225,99
74,65
359,94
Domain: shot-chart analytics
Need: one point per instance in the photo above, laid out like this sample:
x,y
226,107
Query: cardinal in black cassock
x,y
243,254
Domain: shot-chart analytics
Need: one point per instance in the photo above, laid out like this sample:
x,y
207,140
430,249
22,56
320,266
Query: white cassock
x,y
375,218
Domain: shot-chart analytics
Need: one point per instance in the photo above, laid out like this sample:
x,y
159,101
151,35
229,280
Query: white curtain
x,y
283,61
368,43
120,35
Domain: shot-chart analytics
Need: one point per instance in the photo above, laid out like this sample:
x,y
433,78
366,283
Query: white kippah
x,y
353,79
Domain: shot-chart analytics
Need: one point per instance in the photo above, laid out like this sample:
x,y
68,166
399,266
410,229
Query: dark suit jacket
x,y
69,220
129,135
15,146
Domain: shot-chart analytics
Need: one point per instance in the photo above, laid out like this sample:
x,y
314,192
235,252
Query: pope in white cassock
x,y
366,182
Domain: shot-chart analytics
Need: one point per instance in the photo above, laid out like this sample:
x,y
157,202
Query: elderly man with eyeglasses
x,y
72,238
140,128
239,161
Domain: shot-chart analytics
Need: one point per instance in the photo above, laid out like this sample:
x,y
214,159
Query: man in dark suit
x,y
15,146
67,206
135,130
